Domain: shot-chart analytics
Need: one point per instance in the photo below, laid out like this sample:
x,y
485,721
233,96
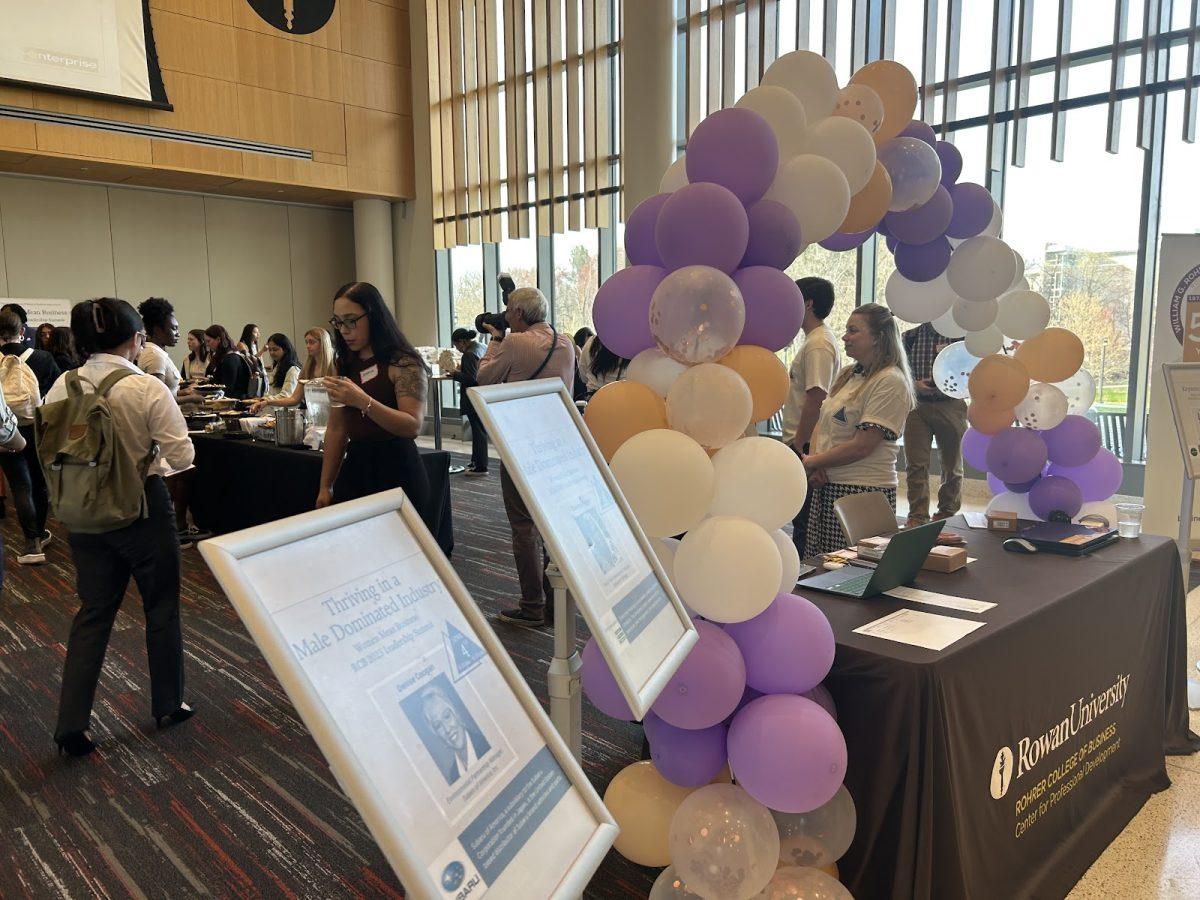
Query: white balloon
x,y
915,170
1080,390
819,837
847,145
655,370
951,369
816,191
669,886
675,177
996,224
1023,314
1043,407
760,479
1013,503
790,557
1016,282
918,301
667,478
810,77
862,104
947,327
728,569
1021,284
791,882
664,549
711,404
986,342
784,113
981,268
974,316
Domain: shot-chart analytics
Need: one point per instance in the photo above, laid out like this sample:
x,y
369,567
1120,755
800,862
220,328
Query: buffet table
x,y
1004,765
241,482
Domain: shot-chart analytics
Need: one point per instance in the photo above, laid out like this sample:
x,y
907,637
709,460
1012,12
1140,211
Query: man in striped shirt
x,y
530,350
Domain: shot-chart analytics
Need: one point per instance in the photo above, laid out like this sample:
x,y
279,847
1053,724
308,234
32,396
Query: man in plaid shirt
x,y
936,415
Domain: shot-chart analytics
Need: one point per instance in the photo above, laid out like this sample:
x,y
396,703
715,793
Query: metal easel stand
x,y
1185,555
566,704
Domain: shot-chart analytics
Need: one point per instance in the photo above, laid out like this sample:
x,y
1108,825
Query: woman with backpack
x,y
226,366
148,439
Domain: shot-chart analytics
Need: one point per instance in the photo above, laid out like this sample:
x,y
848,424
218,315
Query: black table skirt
x,y
930,734
240,483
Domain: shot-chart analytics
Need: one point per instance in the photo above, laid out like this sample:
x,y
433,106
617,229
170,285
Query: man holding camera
x,y
530,350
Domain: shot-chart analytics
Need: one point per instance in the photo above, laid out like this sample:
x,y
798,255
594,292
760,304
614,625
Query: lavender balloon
x,y
972,210
923,262
774,307
1016,455
736,149
841,240
709,684
1098,478
999,487
915,171
775,238
640,246
952,161
974,448
925,223
787,753
702,225
1073,442
685,757
788,647
748,695
621,311
1055,494
821,696
600,686
921,131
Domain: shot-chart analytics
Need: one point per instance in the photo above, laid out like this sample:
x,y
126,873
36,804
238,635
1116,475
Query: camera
x,y
497,320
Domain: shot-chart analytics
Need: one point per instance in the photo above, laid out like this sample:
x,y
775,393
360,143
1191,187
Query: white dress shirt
x,y
142,409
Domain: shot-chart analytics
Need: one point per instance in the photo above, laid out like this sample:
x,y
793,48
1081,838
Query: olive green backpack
x,y
95,486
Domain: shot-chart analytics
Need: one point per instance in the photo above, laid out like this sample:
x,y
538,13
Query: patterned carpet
x,y
238,801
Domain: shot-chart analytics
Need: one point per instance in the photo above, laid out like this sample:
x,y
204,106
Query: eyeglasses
x,y
348,324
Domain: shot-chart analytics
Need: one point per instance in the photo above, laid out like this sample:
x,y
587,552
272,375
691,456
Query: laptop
x,y
901,561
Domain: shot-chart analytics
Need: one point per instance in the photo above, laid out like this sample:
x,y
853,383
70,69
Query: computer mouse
x,y
1019,545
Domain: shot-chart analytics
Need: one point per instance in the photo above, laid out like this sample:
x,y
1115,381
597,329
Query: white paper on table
x,y
919,629
975,519
929,598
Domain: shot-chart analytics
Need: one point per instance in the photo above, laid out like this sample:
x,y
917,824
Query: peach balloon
x,y
989,421
998,383
897,89
870,205
764,373
620,410
1054,355
643,803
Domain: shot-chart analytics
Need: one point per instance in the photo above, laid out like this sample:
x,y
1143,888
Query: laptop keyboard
x,y
856,585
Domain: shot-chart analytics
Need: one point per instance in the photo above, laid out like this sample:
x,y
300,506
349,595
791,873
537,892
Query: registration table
x,y
242,482
1003,765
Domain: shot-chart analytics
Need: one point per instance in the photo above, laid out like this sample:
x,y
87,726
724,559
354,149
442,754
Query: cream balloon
x,y
1013,503
947,327
846,144
1043,407
664,549
644,805
724,843
974,315
669,886
819,837
860,104
655,370
810,77
667,478
675,177
986,342
728,569
784,113
1020,279
981,268
996,224
790,557
816,191
918,301
760,479
795,882
1023,314
711,404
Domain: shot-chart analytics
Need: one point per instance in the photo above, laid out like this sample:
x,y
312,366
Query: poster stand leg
x,y
566,704
1185,553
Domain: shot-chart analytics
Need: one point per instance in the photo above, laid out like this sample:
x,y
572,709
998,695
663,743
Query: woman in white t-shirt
x,y
855,442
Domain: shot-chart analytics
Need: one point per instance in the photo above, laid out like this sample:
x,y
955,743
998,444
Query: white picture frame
x,y
1183,389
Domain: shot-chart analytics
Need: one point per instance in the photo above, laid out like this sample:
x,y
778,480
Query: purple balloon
x,y
924,223
788,647
974,448
1055,494
709,684
775,238
600,686
882,228
1098,479
921,131
821,696
702,225
748,695
640,247
891,242
621,311
972,210
736,149
952,162
1016,455
923,262
688,758
1073,442
787,753
774,307
841,240
999,487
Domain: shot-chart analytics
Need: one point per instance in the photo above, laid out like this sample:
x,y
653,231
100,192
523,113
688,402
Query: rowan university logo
x,y
1002,773
294,16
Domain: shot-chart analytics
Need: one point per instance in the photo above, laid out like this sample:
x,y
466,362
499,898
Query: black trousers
x,y
373,466
149,551
28,485
479,439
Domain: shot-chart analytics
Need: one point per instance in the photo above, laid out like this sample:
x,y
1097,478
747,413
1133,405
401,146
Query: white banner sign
x,y
56,312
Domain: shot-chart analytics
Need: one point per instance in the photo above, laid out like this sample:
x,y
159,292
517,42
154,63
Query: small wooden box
x,y
1002,521
945,559
872,547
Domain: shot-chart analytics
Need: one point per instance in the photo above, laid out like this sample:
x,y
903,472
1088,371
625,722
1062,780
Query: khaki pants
x,y
947,421
537,597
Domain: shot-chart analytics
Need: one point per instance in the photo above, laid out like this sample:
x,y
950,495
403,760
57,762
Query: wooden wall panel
x,y
375,31
67,139
212,10
374,141
329,37
376,85
195,46
291,120
284,65
203,105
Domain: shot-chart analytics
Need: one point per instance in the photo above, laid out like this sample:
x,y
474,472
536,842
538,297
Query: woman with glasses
x,y
377,404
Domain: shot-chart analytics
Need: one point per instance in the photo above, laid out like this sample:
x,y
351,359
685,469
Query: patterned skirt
x,y
825,533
